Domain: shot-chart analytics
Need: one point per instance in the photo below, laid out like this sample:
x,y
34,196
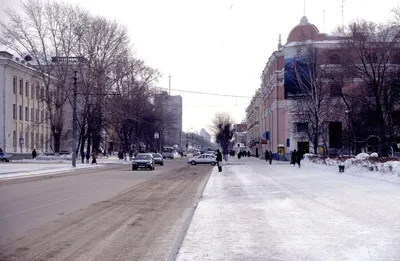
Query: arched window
x,y
335,59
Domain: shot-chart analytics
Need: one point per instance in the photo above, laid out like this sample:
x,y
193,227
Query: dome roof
x,y
305,31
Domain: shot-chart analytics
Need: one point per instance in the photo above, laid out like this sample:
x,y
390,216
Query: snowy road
x,y
279,212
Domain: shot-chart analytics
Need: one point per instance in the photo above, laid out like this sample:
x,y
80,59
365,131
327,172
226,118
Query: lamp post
x,y
157,137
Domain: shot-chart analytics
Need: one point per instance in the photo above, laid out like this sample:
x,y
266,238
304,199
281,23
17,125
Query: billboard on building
x,y
296,77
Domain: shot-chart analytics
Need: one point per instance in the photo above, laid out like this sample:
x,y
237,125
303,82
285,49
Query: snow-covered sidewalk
x,y
255,211
18,170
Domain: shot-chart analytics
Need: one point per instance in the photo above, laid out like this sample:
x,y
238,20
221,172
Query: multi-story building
x,y
24,123
206,136
240,136
254,130
172,107
277,89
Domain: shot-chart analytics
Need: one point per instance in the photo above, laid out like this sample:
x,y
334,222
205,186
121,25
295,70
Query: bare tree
x,y
41,31
224,129
371,55
316,104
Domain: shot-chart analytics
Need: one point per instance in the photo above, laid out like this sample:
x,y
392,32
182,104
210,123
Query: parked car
x,y
158,159
143,161
203,159
4,157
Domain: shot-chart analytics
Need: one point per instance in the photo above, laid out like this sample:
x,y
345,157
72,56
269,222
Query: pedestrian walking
x,y
34,154
219,160
270,157
293,158
94,160
266,155
299,157
87,156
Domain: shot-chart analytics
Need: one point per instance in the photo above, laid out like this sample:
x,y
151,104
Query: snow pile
x,y
362,156
363,165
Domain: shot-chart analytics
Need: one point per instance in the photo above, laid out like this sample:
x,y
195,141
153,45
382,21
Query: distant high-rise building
x,y
205,135
171,106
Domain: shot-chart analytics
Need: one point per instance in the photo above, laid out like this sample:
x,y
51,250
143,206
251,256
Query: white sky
x,y
219,46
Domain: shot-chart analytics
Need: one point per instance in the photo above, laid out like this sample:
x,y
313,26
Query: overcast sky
x,y
219,46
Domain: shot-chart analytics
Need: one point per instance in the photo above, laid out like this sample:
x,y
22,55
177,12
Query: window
x,y
15,139
32,115
20,112
37,116
335,59
27,140
42,93
15,84
32,92
47,117
27,89
302,126
372,57
26,114
42,117
14,111
41,141
335,90
32,141
37,92
21,86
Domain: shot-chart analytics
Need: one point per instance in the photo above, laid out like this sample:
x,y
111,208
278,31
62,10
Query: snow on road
x,y
280,212
17,170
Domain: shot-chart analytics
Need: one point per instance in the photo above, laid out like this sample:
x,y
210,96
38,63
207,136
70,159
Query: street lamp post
x,y
157,137
74,119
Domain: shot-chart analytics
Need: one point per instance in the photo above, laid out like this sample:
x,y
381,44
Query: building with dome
x,y
279,132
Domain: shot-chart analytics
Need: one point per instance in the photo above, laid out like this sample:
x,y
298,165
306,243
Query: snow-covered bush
x,y
362,156
374,155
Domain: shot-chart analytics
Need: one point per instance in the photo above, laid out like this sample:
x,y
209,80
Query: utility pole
x,y
343,14
74,119
169,85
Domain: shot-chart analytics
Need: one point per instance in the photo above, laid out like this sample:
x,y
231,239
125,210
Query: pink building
x,y
276,123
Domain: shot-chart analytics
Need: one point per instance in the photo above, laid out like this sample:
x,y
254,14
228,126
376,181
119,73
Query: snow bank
x,y
362,165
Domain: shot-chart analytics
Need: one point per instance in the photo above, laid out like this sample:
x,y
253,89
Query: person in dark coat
x,y
248,154
270,157
219,160
94,158
87,156
34,154
293,158
299,157
266,155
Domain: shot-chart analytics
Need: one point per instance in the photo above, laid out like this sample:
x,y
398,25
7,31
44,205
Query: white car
x,y
204,159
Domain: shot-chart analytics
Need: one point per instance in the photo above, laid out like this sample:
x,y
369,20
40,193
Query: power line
x,y
208,93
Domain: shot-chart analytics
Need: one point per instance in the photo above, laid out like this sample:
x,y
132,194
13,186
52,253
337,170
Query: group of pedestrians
x,y
87,156
296,157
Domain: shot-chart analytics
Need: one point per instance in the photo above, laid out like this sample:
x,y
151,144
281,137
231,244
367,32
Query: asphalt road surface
x,y
104,214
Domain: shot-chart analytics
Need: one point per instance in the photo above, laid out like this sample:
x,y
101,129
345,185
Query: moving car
x,y
143,160
168,152
5,157
158,159
203,159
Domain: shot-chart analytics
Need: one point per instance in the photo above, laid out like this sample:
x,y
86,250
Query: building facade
x,y
279,130
173,134
254,128
206,136
24,123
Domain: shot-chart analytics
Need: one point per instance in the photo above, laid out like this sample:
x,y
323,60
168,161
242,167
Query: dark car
x,y
158,159
143,160
5,157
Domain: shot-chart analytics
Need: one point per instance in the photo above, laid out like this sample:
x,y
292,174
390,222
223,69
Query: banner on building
x,y
296,77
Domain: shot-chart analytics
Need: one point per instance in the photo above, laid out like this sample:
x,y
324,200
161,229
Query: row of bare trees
x,y
116,90
357,83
